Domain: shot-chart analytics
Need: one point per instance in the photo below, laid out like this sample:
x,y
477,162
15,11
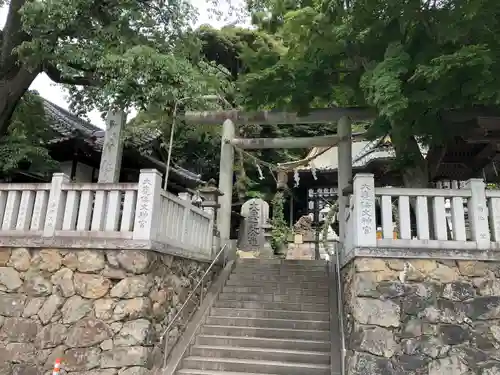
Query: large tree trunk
x,y
414,171
414,167
11,92
15,75
15,78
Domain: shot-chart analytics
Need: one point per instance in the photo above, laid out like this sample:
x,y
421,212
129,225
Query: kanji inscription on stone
x,y
256,215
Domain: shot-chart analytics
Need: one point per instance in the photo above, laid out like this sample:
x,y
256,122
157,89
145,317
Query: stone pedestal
x,y
300,251
267,250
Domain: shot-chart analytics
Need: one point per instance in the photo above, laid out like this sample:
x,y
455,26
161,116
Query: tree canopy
x,y
410,60
196,147
109,53
24,145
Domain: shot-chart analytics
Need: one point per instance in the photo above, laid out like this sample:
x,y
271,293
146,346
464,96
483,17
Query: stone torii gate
x,y
229,119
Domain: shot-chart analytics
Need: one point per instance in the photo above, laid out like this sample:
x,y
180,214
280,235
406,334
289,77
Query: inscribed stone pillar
x,y
111,158
344,169
256,214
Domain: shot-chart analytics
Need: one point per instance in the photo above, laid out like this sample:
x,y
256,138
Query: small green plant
x,y
329,220
280,230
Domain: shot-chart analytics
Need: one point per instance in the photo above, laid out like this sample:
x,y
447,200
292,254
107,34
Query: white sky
x,y
53,92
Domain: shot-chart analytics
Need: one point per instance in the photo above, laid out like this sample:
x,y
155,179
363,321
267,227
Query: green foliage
x,y
238,51
383,85
329,220
409,60
195,147
123,53
280,230
233,47
268,14
23,145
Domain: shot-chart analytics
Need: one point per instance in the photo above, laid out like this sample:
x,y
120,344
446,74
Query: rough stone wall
x,y
102,312
423,317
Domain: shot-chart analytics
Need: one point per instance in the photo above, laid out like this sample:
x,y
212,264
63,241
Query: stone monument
x,y
256,218
111,158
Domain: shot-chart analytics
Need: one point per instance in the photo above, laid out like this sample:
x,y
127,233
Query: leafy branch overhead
x,y
24,145
109,53
410,60
239,52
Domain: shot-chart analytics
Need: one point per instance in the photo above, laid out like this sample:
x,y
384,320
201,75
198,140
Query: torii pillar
x,y
111,157
226,182
344,172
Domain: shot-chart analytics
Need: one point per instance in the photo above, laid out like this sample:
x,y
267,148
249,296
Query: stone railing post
x,y
55,206
478,213
364,225
148,208
186,215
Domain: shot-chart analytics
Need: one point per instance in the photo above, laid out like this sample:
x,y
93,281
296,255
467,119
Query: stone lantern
x,y
210,195
282,180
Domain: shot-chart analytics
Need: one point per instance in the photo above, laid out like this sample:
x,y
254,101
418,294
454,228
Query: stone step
x,y
264,342
305,285
271,288
272,314
259,367
259,305
280,278
272,298
281,270
286,262
194,371
294,269
260,354
303,334
268,323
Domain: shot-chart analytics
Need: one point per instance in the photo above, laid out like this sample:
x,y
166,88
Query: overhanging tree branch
x,y
12,34
89,79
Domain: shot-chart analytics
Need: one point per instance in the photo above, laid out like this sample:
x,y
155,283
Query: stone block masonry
x,y
422,317
101,312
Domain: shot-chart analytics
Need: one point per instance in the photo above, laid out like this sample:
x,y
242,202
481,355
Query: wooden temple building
x,y
77,147
475,154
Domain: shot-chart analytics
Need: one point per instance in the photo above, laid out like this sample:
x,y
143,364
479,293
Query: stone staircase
x,y
272,317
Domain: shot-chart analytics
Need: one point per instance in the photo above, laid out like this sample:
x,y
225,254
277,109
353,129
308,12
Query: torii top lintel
x,y
315,116
325,115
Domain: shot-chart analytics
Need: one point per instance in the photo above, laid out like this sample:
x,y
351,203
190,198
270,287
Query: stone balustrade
x,y
421,219
139,215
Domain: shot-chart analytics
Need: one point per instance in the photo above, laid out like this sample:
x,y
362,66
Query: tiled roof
x,y
68,125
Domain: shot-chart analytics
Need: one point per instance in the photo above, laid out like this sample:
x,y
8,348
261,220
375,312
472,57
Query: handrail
x,y
188,299
340,306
